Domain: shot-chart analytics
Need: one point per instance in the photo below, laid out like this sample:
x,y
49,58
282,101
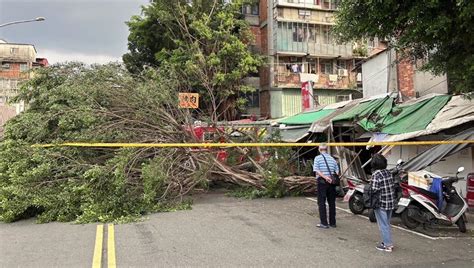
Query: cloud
x,y
59,56
88,27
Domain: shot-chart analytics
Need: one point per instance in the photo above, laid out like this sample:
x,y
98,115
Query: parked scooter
x,y
419,206
355,194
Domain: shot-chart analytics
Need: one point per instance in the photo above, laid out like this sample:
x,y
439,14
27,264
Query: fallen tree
x,y
178,46
75,103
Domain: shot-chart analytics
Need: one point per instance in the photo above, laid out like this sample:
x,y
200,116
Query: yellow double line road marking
x,y
99,241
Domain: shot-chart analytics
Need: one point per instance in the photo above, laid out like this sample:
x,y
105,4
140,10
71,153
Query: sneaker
x,y
332,226
319,225
391,247
381,247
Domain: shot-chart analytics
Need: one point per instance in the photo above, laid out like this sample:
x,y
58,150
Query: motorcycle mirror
x,y
399,161
460,169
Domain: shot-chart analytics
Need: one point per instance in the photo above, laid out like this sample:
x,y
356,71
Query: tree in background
x,y
440,31
205,43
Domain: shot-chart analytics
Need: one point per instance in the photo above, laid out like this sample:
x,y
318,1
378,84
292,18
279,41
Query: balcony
x,y
313,40
287,79
312,4
313,49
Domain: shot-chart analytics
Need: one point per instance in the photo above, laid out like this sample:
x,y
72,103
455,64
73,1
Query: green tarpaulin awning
x,y
383,116
306,118
406,118
364,109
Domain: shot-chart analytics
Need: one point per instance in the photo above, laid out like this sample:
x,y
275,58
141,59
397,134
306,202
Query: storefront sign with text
x,y
189,100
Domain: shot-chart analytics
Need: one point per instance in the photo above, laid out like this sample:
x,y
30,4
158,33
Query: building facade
x,y
16,62
386,72
296,37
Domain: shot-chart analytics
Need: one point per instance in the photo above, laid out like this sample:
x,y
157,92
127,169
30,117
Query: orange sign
x,y
188,100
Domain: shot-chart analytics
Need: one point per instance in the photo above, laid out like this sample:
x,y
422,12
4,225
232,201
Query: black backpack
x,y
371,198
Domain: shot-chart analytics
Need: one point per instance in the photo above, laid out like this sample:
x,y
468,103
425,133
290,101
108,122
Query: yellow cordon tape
x,y
208,145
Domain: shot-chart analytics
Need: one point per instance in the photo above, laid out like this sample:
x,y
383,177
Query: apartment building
x,y
16,62
296,37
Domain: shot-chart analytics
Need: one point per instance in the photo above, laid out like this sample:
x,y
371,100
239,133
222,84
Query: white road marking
x,y
394,226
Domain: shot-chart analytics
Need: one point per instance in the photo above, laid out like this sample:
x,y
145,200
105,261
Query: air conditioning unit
x,y
342,72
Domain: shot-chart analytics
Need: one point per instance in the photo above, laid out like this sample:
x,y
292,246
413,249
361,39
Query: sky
x,y
91,31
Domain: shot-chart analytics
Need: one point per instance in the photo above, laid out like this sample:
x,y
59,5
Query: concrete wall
x,y
23,53
276,96
426,83
375,75
447,167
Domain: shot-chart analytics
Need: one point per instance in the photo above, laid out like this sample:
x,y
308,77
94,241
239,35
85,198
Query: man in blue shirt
x,y
325,165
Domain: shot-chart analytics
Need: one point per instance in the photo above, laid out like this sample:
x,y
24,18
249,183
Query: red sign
x,y
470,190
307,96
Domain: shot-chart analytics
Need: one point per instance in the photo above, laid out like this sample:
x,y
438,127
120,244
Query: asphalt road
x,y
224,231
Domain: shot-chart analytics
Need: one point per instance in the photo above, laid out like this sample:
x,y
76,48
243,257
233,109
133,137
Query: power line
x,y
421,92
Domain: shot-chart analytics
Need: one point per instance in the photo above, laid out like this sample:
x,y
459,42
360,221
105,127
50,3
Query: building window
x,y
255,10
281,13
327,35
303,14
315,34
341,64
298,33
14,50
247,10
23,67
329,4
5,66
252,98
312,66
326,67
343,98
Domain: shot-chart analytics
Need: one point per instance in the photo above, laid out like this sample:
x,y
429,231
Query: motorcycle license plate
x,y
348,195
404,202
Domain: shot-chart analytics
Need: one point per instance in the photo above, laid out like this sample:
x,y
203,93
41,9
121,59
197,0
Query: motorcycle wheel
x,y
372,217
356,205
461,223
407,220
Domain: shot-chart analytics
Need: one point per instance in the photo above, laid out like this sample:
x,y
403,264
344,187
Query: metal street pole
x,y
22,21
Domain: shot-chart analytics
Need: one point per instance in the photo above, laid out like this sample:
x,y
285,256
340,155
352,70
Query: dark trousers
x,y
327,192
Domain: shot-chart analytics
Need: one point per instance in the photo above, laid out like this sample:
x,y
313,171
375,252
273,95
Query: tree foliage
x,y
205,42
440,31
75,103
